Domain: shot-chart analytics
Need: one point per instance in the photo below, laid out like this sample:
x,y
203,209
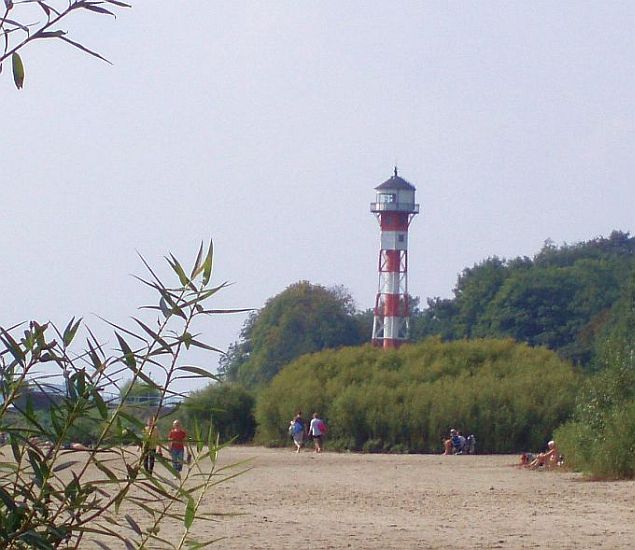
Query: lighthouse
x,y
394,207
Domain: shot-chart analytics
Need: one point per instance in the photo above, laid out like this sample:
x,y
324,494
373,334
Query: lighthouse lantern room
x,y
394,207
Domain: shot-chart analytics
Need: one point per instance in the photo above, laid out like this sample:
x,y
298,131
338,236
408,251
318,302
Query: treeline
x,y
510,395
305,349
563,298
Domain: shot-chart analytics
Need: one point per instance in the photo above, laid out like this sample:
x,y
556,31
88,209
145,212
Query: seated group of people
x,y
549,459
457,444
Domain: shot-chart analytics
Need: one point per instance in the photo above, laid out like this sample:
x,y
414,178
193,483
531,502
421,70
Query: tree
x,y
302,319
561,299
17,31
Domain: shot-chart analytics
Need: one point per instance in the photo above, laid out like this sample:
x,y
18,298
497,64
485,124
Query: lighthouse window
x,y
386,197
401,238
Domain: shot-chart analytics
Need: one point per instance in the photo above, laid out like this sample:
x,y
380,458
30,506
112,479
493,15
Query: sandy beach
x,y
413,501
363,501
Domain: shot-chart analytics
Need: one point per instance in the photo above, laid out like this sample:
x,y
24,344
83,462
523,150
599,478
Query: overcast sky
x,y
267,125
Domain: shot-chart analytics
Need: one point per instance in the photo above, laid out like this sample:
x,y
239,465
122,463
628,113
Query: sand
x,y
366,501
362,501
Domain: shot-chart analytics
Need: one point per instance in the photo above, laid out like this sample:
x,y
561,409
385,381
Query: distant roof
x,y
396,182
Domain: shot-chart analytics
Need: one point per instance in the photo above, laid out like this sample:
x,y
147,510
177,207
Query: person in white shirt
x,y
317,429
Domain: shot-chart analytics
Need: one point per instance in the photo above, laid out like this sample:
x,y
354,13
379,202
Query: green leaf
x,y
190,512
155,336
197,262
178,269
49,34
18,70
101,405
12,346
205,346
128,356
70,331
15,448
217,311
97,9
197,370
7,499
106,470
208,264
83,48
64,465
35,540
187,339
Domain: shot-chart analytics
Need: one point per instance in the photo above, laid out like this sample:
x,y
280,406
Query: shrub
x,y
227,407
510,395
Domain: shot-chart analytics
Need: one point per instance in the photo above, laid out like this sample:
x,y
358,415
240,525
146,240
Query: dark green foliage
x,y
227,407
601,438
510,395
302,319
560,299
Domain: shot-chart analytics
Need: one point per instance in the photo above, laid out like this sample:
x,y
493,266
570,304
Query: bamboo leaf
x,y
12,346
97,9
208,264
128,356
190,512
105,470
84,48
178,269
101,405
70,331
18,70
118,3
205,346
49,34
64,465
197,262
155,336
216,311
7,499
199,371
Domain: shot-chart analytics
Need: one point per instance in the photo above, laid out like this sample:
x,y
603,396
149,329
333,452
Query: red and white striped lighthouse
x,y
394,207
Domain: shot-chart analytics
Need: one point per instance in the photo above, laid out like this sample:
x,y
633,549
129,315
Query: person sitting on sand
x,y
452,444
548,459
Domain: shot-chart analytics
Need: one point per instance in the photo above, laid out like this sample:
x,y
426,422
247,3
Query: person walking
x,y
317,429
176,444
299,428
151,444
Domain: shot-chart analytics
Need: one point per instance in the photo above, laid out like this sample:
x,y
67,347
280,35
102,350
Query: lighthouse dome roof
x,y
397,183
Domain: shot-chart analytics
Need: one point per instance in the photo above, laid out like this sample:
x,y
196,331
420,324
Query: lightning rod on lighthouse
x,y
394,207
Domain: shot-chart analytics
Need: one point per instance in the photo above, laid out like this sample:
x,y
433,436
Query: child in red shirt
x,y
176,443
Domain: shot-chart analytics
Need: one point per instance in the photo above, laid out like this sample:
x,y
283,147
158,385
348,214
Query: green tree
x,y
302,319
560,299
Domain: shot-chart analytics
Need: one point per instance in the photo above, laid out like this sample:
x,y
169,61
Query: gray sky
x,y
267,125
